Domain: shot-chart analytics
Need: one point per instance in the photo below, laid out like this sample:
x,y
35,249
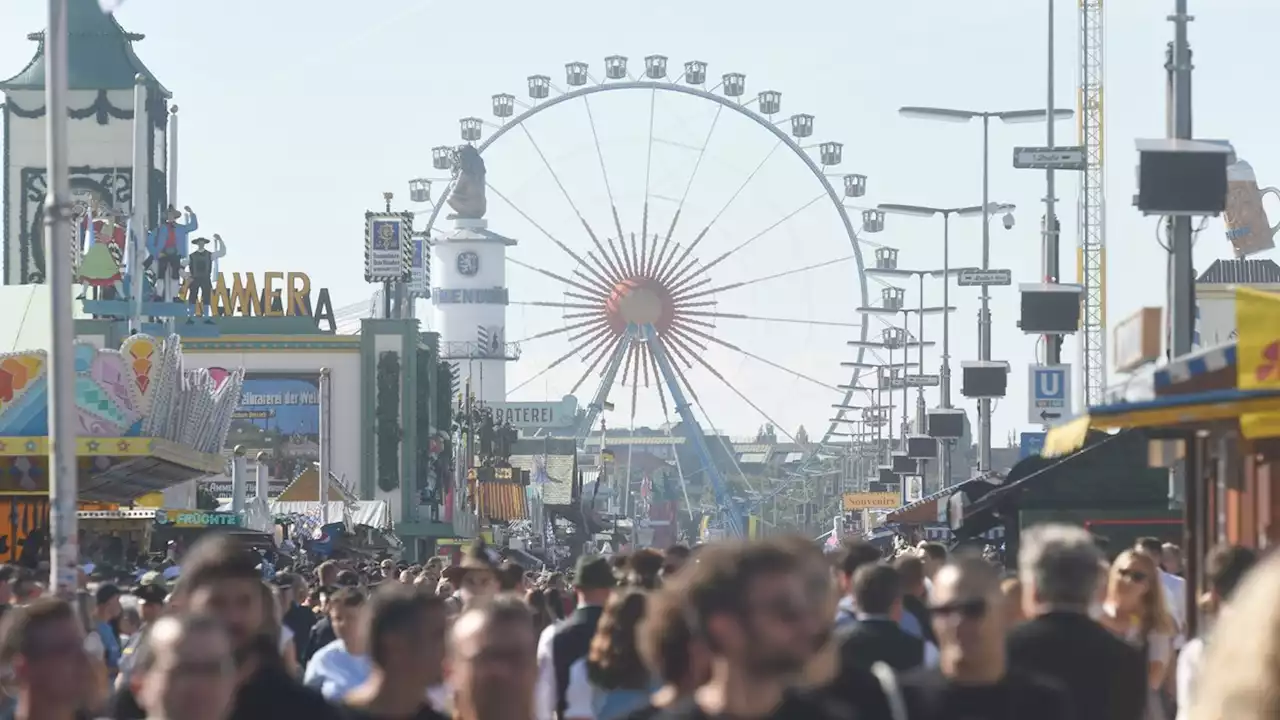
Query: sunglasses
x,y
974,609
1134,575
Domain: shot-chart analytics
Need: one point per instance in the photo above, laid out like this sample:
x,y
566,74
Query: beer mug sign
x,y
1246,218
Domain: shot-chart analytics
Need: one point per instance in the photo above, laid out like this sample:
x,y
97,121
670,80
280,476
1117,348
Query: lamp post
x,y
984,317
945,273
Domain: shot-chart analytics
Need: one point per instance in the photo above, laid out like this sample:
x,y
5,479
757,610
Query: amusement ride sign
x,y
274,294
534,415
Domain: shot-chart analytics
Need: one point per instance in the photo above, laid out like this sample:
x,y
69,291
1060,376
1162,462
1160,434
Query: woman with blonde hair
x,y
1238,678
1135,610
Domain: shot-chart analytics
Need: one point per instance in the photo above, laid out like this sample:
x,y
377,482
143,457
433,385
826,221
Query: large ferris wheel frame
x,y
743,110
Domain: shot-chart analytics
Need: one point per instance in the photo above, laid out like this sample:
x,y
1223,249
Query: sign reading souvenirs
x,y
272,294
870,501
470,296
534,415
388,246
196,519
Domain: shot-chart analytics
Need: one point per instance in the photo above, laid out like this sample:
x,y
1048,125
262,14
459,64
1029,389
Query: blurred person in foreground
x,y
185,670
298,619
563,644
1173,587
674,559
491,662
1225,568
405,633
974,679
220,578
612,679
915,596
42,650
1059,572
672,656
342,664
1240,674
750,606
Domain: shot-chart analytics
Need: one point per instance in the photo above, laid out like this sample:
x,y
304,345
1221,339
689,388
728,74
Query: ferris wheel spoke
x,y
599,314
614,271
758,318
554,176
637,255
561,305
753,356
604,172
606,351
684,334
687,295
662,391
520,211
560,330
557,362
598,294
684,379
700,303
668,274
579,296
626,364
678,283
702,361
620,257
602,327
648,166
697,164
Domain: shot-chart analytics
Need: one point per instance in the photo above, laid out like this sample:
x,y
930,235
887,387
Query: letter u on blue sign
x,y
1050,384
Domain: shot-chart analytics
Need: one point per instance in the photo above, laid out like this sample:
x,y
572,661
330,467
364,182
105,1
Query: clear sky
x,y
297,115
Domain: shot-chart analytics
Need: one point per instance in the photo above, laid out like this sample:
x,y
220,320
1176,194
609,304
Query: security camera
x,y
1008,221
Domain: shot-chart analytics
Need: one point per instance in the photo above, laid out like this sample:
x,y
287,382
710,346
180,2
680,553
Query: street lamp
x,y
984,319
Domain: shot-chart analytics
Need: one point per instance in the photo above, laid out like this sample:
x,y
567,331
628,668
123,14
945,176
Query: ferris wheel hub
x,y
639,301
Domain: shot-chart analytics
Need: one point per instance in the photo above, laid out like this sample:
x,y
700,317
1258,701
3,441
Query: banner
x,y
279,413
1258,345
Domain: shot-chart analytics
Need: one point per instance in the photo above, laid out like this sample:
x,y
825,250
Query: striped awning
x,y
501,501
1194,365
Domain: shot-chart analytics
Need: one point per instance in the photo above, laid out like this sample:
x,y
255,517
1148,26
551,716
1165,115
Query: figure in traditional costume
x,y
101,265
167,246
200,271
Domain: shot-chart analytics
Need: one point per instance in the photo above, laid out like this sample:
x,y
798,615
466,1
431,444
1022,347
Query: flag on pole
x,y
1258,344
109,6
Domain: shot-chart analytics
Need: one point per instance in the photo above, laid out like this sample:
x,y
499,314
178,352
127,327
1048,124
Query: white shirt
x,y
544,690
1188,671
285,636
335,672
1175,597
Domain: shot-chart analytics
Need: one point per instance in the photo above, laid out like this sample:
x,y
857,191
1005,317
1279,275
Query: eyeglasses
x,y
1134,575
973,609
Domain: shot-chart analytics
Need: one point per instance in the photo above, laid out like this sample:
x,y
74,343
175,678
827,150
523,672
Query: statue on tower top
x,y
467,197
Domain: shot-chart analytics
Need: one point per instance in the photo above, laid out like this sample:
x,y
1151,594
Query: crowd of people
x,y
767,629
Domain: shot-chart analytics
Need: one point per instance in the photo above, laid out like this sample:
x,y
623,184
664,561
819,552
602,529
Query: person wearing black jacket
x,y
298,619
563,644
876,636
914,593
1105,676
975,678
221,579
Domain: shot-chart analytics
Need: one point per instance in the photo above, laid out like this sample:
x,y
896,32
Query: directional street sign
x,y
1050,394
1031,443
923,381
974,276
1049,158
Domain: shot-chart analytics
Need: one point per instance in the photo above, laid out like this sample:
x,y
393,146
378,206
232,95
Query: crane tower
x,y
1091,250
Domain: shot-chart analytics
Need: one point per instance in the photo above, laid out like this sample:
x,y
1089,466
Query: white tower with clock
x,y
470,300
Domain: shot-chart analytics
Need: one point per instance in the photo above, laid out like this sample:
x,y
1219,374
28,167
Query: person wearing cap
x,y
563,644
476,577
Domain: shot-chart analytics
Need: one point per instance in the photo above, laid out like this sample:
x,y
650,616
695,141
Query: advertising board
x,y
279,413
872,501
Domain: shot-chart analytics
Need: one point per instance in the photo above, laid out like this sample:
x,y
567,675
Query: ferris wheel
x,y
666,273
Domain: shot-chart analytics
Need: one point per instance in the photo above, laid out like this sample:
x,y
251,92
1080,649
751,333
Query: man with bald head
x,y
973,678
493,647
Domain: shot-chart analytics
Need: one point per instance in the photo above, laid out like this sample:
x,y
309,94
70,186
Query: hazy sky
x,y
296,116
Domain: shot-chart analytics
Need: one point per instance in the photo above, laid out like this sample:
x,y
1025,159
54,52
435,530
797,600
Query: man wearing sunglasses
x,y
973,678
